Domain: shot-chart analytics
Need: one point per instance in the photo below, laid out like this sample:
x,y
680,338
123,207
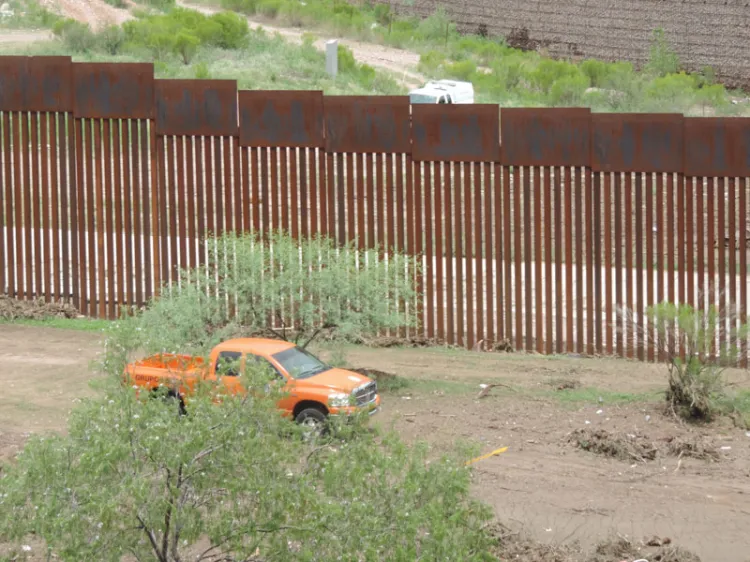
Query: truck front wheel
x,y
313,421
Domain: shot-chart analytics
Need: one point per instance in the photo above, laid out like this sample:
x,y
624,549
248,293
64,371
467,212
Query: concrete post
x,y
332,58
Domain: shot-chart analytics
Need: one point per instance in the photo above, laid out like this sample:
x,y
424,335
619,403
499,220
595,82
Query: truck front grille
x,y
366,394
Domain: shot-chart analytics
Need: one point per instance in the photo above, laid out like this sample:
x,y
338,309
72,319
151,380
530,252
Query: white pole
x,y
332,57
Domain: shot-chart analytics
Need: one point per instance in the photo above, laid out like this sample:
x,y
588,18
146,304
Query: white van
x,y
443,91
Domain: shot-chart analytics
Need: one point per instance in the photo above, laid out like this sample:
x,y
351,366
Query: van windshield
x,y
422,98
299,363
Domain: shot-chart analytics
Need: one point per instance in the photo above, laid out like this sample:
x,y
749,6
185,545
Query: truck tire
x,y
172,399
313,420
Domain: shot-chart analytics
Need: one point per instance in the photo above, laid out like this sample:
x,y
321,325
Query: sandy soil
x,y
542,484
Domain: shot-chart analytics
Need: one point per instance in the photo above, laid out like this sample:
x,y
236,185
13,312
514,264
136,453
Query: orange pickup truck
x,y
312,390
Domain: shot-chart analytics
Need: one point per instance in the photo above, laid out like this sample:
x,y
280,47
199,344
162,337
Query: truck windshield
x,y
422,98
299,363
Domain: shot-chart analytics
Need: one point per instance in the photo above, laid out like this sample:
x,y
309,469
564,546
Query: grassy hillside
x,y
186,44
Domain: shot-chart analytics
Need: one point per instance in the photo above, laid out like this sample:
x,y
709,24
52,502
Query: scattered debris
x,y
692,448
392,341
503,345
625,448
564,384
653,549
488,455
38,309
517,546
487,387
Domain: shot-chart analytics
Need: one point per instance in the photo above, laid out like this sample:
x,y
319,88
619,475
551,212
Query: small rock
x,y
726,448
600,412
587,422
648,418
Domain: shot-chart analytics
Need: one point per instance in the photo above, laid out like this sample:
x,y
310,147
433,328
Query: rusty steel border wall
x,y
534,227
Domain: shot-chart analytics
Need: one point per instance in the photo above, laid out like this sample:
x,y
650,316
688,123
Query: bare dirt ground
x,y
96,13
14,36
544,484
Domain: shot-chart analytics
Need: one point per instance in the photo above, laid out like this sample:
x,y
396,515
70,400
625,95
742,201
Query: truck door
x,y
227,371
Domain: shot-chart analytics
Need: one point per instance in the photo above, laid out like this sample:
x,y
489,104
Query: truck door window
x,y
228,364
264,363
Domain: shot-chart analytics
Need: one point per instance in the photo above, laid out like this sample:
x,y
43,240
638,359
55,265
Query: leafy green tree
x,y
281,287
662,59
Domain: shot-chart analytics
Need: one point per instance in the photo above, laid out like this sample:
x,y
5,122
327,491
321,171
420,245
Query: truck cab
x,y
443,92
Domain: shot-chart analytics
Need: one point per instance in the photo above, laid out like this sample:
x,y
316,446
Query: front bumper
x,y
372,408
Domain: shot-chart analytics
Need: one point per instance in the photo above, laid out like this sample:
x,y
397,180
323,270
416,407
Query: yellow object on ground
x,y
488,455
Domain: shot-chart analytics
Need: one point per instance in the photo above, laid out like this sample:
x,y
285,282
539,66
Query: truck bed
x,y
165,364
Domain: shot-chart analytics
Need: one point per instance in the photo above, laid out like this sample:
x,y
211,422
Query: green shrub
x,y
159,33
383,15
186,46
30,14
202,72
436,28
269,8
699,346
249,7
76,36
672,89
568,90
714,96
430,62
596,71
662,59
233,30
509,72
550,71
111,39
346,60
162,5
708,75
463,70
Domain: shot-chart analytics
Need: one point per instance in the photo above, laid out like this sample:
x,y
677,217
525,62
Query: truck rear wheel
x,y
172,400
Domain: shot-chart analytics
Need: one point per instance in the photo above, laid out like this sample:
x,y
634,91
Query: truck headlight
x,y
339,400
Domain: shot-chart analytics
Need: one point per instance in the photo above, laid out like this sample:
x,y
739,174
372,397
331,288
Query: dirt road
x,y
542,483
